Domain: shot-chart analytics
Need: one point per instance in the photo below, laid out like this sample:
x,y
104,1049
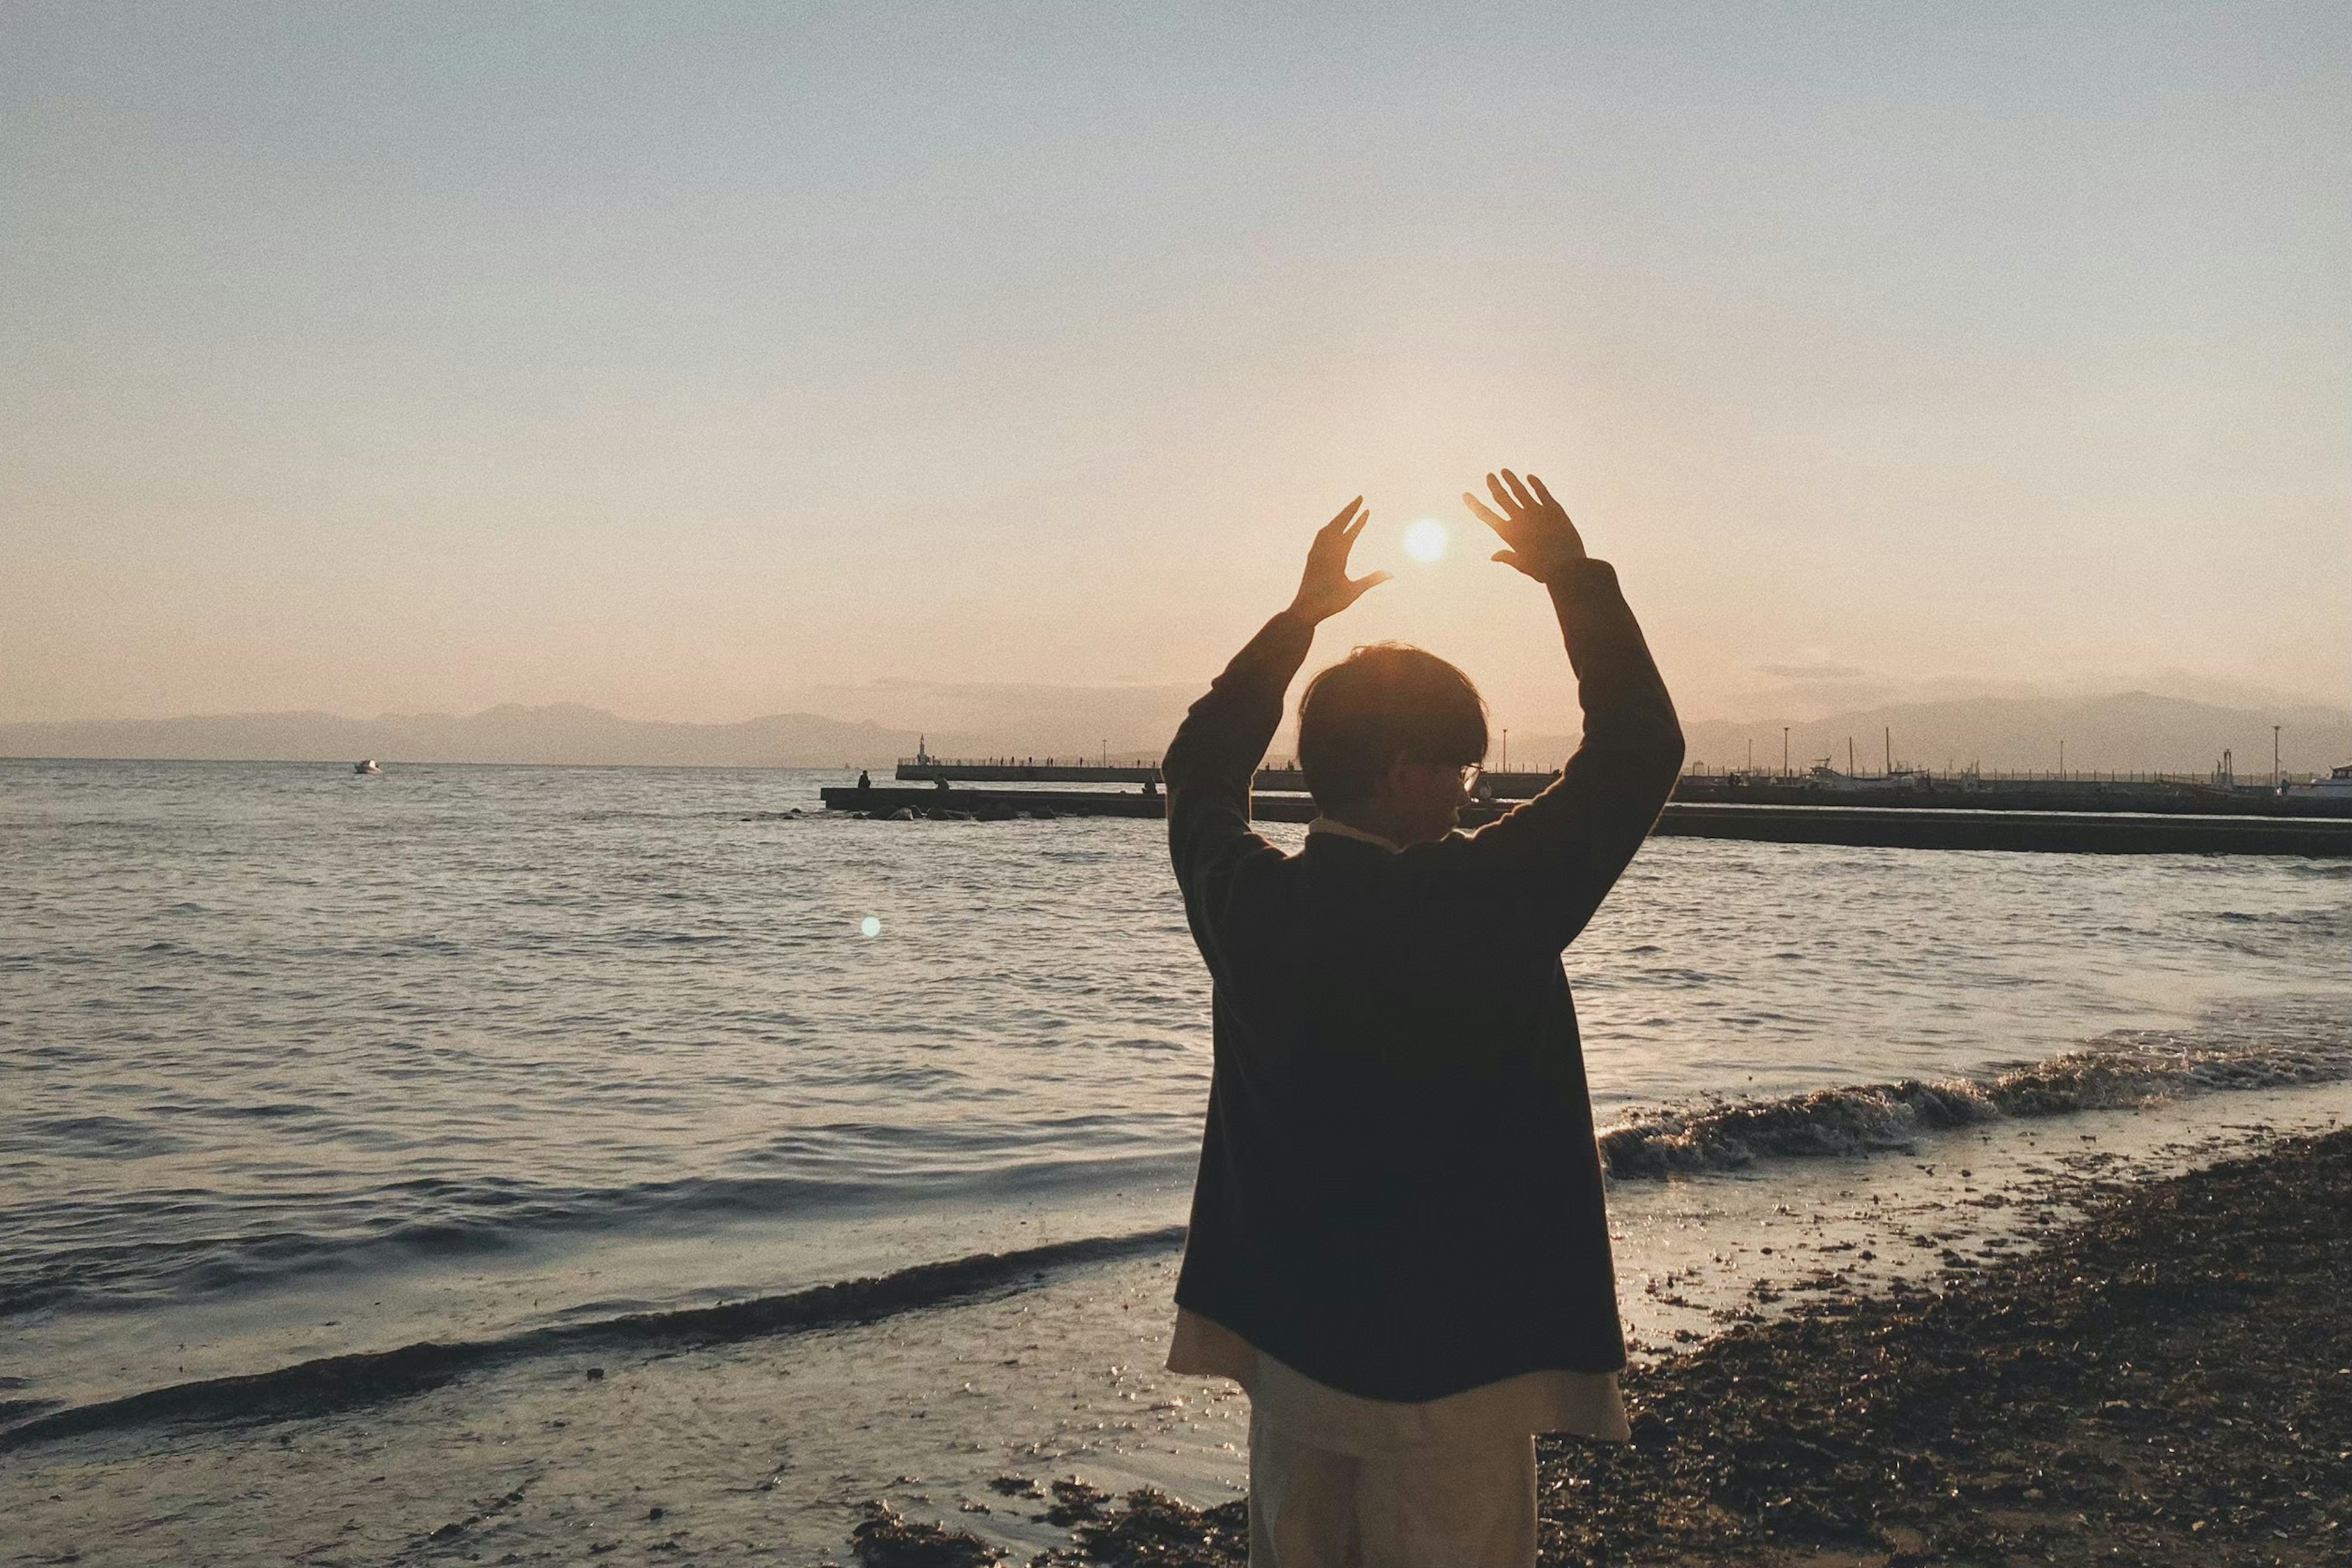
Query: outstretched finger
x,y
1479,510
1364,585
1542,494
1345,513
1357,528
1519,490
1503,498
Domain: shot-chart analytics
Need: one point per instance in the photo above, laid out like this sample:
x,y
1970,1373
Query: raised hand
x,y
1325,588
1542,540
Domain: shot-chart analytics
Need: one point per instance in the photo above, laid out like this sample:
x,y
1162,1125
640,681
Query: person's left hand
x,y
1325,588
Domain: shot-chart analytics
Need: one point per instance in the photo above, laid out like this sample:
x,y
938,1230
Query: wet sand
x,y
1932,1349
2168,1380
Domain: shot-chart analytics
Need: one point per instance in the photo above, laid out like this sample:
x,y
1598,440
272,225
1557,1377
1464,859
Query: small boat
x,y
2336,785
366,765
1823,776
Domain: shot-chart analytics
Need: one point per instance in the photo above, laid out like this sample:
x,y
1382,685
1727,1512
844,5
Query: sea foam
x,y
2128,1068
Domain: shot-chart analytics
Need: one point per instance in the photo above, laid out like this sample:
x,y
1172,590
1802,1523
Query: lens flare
x,y
1425,540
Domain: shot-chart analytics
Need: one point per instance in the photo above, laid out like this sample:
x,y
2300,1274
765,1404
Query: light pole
x,y
2277,778
1784,750
1506,751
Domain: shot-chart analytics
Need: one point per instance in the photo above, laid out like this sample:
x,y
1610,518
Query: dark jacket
x,y
1399,1192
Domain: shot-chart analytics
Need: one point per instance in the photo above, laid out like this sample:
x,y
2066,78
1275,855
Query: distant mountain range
x,y
2127,732
564,733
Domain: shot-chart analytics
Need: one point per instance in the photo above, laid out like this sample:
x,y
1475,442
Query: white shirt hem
x,y
1587,1404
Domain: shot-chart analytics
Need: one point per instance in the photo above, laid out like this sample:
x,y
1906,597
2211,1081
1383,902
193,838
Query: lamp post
x,y
2277,777
1784,750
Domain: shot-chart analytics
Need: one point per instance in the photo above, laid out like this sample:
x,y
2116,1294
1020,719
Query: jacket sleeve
x,y
1557,856
1210,765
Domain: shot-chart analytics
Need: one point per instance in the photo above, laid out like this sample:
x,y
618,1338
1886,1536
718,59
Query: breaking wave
x,y
336,1383
2125,1068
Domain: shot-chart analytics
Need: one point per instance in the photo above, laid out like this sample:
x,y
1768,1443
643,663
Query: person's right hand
x,y
1542,541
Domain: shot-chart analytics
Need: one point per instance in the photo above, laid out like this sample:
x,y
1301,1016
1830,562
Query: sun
x,y
1425,540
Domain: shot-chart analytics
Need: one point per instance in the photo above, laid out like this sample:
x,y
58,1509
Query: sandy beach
x,y
2166,1381
2109,1343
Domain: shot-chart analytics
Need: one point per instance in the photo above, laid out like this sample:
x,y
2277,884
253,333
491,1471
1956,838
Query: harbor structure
x,y
2214,795
1910,808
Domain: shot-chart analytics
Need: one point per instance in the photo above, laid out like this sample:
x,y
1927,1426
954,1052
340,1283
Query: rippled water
x,y
343,1060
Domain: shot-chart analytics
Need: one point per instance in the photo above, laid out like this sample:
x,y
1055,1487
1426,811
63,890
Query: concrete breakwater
x,y
2058,832
1904,827
1919,792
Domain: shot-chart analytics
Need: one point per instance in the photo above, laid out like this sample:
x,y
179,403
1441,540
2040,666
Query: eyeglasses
x,y
1468,774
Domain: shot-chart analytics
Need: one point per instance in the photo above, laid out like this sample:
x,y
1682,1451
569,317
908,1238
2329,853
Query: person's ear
x,y
1396,783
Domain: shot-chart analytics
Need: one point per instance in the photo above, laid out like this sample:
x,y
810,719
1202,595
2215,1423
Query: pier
x,y
928,770
2152,793
1887,826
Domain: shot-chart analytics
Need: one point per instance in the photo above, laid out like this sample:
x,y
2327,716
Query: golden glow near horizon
x,y
1425,540
699,365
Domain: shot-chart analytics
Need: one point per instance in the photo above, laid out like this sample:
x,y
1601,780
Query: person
x,y
865,779
1397,1242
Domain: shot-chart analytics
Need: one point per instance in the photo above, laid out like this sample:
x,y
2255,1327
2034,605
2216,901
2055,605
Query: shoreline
x,y
1002,1426
2166,1380
326,1384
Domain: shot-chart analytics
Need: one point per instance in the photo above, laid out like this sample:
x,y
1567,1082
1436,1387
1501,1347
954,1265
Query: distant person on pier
x,y
1398,1243
865,779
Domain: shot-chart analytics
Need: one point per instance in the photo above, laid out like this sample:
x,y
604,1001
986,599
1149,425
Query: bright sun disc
x,y
1425,540
869,926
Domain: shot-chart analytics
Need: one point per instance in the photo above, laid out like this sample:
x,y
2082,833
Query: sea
x,y
299,1067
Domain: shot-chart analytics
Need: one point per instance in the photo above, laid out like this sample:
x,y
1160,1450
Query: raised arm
x,y
1562,851
1217,749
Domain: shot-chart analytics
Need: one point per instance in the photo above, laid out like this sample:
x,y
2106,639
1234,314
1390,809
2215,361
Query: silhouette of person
x,y
1399,1244
865,779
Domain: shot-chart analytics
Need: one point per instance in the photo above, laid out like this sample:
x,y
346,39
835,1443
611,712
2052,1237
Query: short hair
x,y
1380,703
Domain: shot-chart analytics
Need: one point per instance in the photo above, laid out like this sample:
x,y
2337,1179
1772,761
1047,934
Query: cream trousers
x,y
1459,1506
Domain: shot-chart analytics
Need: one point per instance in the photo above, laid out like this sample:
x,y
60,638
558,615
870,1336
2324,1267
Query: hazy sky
x,y
679,359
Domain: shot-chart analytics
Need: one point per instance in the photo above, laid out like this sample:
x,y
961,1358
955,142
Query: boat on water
x,y
366,765
1823,776
2336,785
